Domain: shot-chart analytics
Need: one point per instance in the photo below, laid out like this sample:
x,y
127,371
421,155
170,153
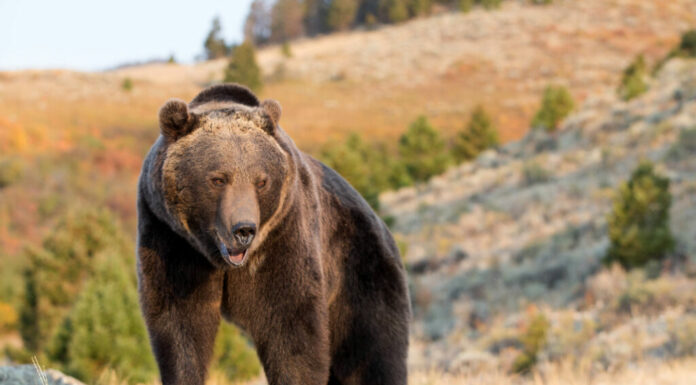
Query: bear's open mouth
x,y
234,259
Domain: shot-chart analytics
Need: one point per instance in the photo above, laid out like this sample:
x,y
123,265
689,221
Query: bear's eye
x,y
261,183
217,181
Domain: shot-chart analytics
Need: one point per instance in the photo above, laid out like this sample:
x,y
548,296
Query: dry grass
x,y
648,373
679,372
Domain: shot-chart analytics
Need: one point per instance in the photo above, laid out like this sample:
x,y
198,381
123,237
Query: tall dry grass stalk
x,y
39,370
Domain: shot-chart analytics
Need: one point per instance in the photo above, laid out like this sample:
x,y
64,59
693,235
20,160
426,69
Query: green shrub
x,y
523,363
341,14
684,146
533,173
242,67
371,21
639,222
423,151
286,50
541,2
465,5
127,84
393,11
633,82
56,271
490,4
687,46
104,330
234,355
367,168
682,336
479,135
419,7
556,104
533,340
11,171
214,44
685,49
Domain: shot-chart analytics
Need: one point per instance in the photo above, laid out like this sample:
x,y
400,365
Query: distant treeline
x,y
283,20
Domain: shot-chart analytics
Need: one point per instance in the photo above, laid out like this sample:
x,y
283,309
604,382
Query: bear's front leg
x,y
295,350
291,335
180,296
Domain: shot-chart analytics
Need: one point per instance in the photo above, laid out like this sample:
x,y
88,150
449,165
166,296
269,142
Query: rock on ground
x,y
27,375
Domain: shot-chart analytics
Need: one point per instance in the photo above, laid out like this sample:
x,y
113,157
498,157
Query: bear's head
x,y
224,170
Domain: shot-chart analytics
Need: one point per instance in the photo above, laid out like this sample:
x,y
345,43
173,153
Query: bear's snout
x,y
243,233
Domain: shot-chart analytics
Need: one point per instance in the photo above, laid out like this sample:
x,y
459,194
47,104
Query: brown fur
x,y
321,292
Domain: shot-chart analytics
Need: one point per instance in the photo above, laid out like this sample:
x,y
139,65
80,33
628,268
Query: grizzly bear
x,y
235,222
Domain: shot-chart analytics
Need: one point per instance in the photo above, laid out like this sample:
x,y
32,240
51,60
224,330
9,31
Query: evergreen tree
x,y
687,46
465,5
633,82
556,104
423,151
57,271
29,328
639,222
107,329
242,67
419,7
341,14
214,44
234,355
490,4
368,168
533,340
478,136
393,11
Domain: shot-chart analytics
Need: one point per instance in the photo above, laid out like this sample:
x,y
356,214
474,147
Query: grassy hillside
x,y
497,248
521,233
371,82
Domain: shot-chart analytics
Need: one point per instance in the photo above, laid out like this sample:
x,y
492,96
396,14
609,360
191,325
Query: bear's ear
x,y
231,92
273,110
175,120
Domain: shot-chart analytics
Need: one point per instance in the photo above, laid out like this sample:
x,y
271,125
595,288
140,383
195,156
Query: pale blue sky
x,y
95,35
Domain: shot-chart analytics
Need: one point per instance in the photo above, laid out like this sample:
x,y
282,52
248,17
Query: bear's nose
x,y
244,233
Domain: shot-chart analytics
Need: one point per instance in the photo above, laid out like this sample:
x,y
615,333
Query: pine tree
x,y
242,67
556,105
633,82
214,44
393,11
490,4
478,136
57,270
29,328
423,151
341,14
639,222
368,168
107,329
687,46
419,7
